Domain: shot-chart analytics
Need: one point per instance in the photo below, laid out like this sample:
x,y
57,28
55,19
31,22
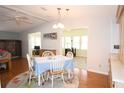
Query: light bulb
x,y
60,25
55,26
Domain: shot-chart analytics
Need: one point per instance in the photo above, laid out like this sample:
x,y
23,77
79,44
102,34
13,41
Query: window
x,y
84,42
76,42
67,42
34,40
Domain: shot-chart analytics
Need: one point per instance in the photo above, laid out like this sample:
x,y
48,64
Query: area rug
x,y
80,62
21,81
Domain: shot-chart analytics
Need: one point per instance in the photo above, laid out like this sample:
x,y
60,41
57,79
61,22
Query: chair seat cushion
x,y
56,72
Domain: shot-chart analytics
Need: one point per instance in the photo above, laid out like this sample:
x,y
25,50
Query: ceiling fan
x,y
19,19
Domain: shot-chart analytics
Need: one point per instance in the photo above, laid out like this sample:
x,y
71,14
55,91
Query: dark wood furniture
x,y
73,50
12,46
6,58
42,50
8,61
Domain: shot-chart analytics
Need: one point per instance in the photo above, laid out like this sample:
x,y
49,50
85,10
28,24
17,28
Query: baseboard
x,y
82,56
99,72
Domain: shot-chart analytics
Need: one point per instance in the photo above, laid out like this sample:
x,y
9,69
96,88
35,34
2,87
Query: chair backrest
x,y
69,54
29,63
47,53
56,65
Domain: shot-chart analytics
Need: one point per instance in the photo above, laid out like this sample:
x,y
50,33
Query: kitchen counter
x,y
117,69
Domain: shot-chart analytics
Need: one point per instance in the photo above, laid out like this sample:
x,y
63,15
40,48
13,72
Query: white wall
x,y
45,43
9,35
98,48
115,40
99,31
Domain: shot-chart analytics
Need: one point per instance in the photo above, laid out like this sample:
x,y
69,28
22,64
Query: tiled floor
x,y
80,62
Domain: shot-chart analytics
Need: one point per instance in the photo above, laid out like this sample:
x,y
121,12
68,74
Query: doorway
x,y
76,40
34,39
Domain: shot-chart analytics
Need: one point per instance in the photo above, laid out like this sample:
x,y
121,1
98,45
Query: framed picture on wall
x,y
50,36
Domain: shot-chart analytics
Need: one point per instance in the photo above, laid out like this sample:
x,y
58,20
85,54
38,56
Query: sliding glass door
x,y
78,42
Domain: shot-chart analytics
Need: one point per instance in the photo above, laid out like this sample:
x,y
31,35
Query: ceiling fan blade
x,y
24,18
25,21
6,15
6,20
18,22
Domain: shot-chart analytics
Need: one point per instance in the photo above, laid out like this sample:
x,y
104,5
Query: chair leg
x,y
62,78
30,77
42,78
52,81
47,76
69,74
39,80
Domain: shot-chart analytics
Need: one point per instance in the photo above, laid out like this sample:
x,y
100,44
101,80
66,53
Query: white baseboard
x,y
95,71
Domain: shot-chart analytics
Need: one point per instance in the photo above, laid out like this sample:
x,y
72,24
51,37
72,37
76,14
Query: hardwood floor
x,y
87,79
18,66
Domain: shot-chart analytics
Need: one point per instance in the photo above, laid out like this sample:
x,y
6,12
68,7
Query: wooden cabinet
x,y
13,46
42,50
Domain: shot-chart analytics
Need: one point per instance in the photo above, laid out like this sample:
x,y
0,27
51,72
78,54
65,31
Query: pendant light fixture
x,y
59,25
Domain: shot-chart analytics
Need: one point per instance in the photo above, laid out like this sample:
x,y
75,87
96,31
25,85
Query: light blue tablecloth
x,y
42,64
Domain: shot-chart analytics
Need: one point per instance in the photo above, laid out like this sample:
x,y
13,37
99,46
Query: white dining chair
x,y
69,72
31,70
47,53
56,70
69,54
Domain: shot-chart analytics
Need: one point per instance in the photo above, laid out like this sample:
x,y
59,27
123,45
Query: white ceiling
x,y
39,14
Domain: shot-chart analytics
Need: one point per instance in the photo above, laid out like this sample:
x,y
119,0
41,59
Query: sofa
x,y
5,57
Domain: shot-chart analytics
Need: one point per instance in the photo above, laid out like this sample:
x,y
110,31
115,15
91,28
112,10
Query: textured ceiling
x,y
42,14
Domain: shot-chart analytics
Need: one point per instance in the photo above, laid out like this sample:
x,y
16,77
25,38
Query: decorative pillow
x,y
4,54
